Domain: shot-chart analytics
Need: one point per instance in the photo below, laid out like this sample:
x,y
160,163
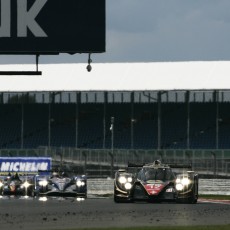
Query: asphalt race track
x,y
59,213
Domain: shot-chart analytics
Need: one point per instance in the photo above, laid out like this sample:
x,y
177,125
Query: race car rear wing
x,y
180,166
60,172
135,165
67,171
158,163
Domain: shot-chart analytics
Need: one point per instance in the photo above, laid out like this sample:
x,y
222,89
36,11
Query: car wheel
x,y
32,193
193,198
121,199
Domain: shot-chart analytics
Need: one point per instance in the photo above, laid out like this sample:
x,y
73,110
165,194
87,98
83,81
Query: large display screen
x,y
52,26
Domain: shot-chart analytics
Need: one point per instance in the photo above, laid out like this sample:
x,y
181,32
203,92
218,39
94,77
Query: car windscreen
x,y
163,174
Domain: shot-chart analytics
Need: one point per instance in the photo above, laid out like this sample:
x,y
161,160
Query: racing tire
x,y
24,193
32,193
121,199
190,200
194,197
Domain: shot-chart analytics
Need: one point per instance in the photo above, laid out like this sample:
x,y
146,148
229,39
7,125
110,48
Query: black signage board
x,y
52,26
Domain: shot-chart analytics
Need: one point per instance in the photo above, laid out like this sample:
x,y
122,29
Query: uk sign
x,y
52,26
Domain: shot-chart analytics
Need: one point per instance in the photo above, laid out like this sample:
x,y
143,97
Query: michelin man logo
x,y
25,18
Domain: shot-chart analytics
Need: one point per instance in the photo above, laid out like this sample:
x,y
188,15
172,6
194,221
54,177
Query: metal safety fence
x,y
106,161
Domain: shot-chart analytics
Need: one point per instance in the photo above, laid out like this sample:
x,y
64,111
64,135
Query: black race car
x,y
156,182
17,184
60,184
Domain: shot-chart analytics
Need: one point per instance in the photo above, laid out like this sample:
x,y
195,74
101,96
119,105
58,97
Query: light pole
x,y
112,134
49,127
22,126
214,164
112,144
132,132
50,120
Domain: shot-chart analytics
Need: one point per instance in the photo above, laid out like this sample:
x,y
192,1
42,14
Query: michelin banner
x,y
24,164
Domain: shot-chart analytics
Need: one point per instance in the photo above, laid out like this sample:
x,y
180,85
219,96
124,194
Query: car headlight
x,y
178,180
80,183
179,187
130,179
128,186
122,180
181,183
26,184
43,183
185,181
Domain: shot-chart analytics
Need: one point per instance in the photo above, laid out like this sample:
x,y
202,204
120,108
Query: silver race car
x,y
60,184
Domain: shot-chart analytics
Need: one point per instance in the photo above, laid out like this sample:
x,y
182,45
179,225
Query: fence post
x,y
160,154
60,153
136,155
188,155
85,162
112,163
214,163
227,168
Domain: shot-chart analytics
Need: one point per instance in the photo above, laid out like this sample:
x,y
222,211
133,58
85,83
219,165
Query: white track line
x,y
214,201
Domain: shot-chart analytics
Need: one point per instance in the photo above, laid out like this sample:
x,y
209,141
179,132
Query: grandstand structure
x,y
181,105
142,120
119,106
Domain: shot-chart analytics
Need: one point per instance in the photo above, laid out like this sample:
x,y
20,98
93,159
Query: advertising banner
x,y
24,164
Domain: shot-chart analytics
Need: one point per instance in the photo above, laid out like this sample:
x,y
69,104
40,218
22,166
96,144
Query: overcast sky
x,y
159,30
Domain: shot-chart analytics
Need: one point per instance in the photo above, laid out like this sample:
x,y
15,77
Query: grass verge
x,y
214,197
